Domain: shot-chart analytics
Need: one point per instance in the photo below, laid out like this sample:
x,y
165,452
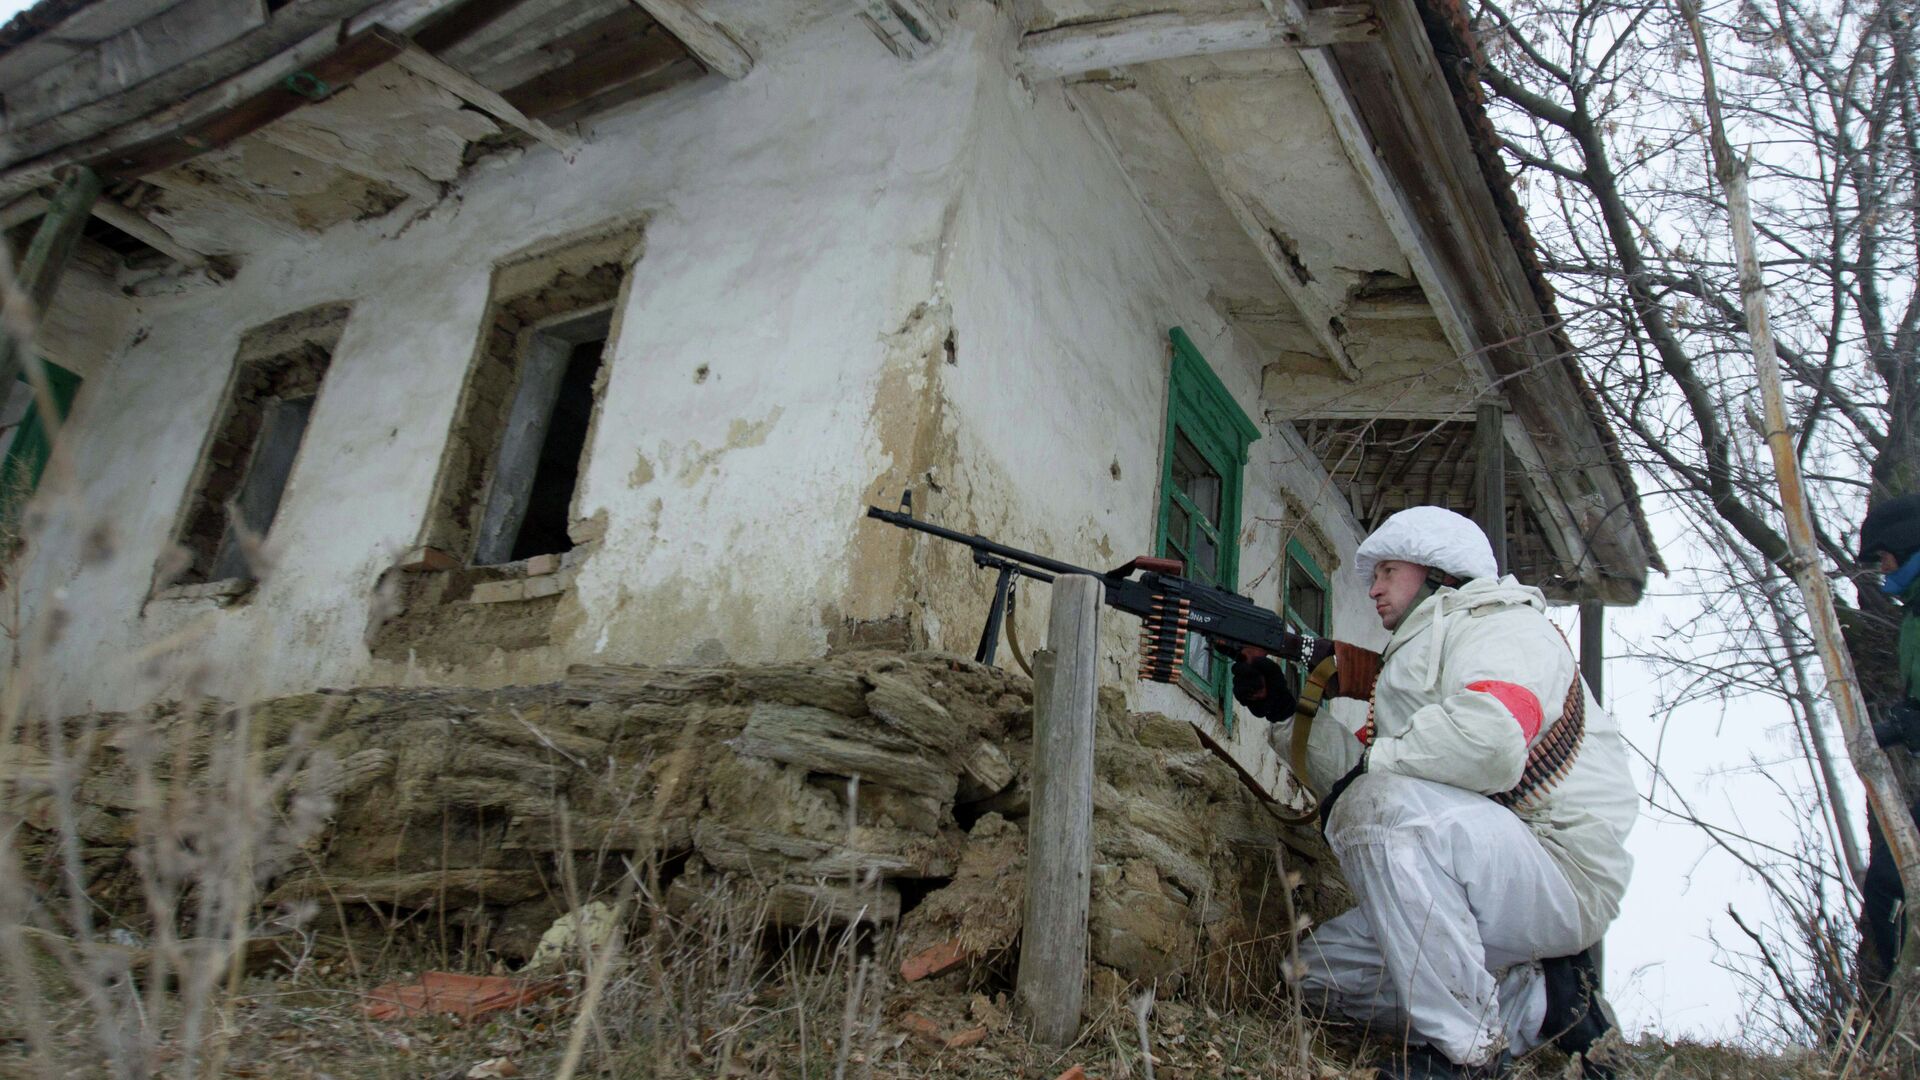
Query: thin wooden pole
x,y
40,271
1490,477
1593,647
1053,936
1884,793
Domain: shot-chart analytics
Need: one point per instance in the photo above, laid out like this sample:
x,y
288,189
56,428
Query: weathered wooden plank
x,y
145,231
709,44
906,27
456,27
22,210
30,50
532,25
327,150
463,86
98,133
291,28
1139,39
610,54
355,57
184,32
1053,944
1394,108
46,258
685,69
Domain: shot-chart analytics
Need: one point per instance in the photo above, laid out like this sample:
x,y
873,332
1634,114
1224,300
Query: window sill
x,y
224,591
529,579
525,587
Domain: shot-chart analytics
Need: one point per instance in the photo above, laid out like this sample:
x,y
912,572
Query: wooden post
x,y
1053,938
1593,651
39,271
1490,477
1593,655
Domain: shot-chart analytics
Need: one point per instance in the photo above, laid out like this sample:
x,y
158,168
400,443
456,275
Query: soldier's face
x,y
1888,564
1396,585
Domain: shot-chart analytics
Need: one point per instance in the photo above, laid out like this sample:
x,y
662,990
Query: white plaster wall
x,y
1063,294
795,219
798,220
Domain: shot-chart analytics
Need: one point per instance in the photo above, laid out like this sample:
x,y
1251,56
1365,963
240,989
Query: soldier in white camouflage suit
x,y
1480,896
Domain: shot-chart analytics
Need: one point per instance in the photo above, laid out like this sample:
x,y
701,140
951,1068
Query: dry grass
x,y
698,981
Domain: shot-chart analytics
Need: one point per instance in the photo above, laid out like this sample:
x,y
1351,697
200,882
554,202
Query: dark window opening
x,y
537,467
248,463
545,527
283,425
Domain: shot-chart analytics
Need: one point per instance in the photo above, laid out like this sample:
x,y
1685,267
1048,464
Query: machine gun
x,y
1169,606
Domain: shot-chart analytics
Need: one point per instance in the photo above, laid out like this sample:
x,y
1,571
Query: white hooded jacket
x,y
1427,724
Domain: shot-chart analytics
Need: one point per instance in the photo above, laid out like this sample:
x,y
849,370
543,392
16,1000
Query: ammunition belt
x,y
1354,672
1551,757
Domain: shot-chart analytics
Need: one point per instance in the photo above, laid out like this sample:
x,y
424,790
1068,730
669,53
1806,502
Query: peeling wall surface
x,y
1063,295
857,275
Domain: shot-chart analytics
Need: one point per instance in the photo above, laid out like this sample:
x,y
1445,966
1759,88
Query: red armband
x,y
1519,701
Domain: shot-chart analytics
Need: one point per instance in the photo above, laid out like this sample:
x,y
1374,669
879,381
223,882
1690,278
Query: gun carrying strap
x,y
1320,682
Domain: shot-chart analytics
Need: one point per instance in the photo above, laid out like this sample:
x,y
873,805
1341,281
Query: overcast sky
x,y
1663,973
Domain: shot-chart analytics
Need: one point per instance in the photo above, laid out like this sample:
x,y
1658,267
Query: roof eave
x,y
1415,93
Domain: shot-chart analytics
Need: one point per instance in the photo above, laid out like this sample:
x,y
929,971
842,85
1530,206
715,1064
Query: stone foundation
x,y
478,806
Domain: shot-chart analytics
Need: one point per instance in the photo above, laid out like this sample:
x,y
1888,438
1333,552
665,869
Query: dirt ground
x,y
799,1009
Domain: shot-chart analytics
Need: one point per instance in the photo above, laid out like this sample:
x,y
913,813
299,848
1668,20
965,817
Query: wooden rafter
x,y
1075,50
908,28
717,50
128,221
427,66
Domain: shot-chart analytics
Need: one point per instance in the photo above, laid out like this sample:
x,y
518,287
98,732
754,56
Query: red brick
x,y
933,961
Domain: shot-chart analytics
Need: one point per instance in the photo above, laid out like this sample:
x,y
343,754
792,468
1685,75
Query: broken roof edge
x,y
31,22
1458,50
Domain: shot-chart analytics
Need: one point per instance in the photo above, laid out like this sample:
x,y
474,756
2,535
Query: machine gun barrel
x,y
1170,607
905,520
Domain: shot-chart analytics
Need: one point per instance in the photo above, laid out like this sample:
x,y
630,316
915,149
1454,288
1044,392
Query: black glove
x,y
1900,728
1339,788
1262,687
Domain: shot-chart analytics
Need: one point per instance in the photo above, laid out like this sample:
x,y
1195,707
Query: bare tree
x,y
1601,107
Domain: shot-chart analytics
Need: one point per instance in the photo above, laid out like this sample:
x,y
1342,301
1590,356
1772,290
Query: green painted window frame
x,y
1200,408
1298,558
32,446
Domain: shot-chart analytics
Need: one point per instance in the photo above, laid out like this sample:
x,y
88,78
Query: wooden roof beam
x,y
427,66
1075,50
906,27
1451,297
717,50
128,221
215,115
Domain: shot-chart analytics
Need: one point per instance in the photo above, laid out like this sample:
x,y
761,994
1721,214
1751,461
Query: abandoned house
x,y
467,343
